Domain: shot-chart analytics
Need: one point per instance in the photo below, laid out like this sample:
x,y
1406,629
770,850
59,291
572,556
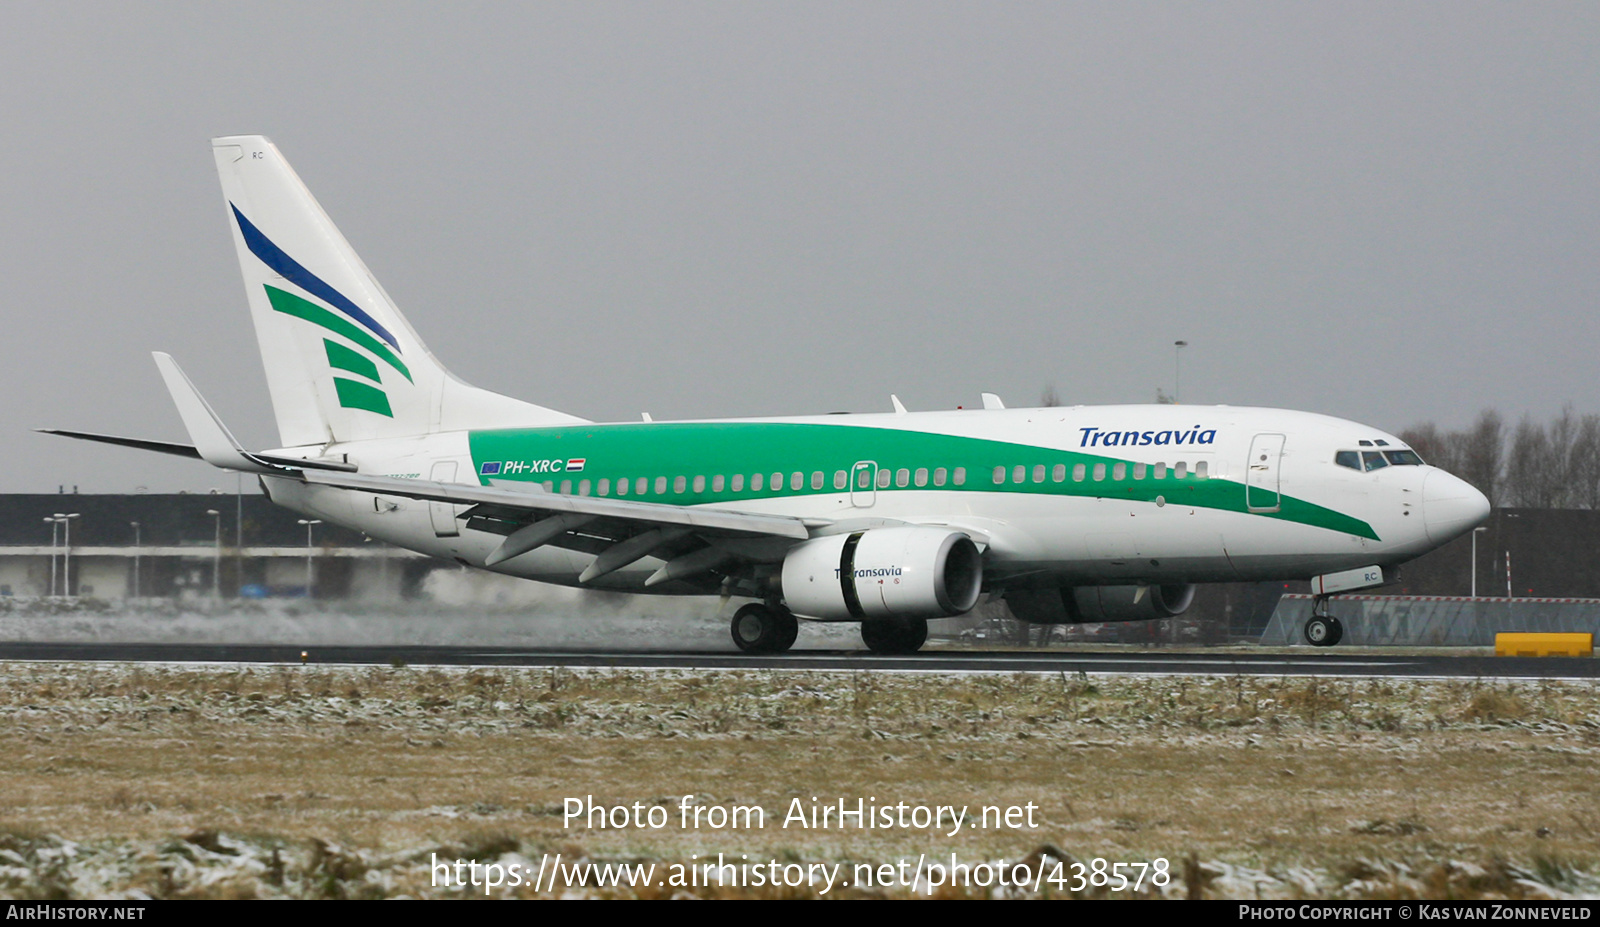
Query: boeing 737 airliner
x,y
1104,513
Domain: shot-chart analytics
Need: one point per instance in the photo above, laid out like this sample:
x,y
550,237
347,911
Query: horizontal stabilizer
x,y
160,447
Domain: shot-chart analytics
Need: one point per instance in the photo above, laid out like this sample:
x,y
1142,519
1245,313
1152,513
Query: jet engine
x,y
898,572
1080,604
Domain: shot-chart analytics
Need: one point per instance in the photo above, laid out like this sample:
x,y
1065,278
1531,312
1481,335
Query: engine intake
x,y
884,572
1081,604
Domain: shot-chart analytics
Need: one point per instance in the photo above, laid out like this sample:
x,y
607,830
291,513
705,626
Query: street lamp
x,y
66,551
308,524
1475,533
55,534
1177,369
135,559
216,562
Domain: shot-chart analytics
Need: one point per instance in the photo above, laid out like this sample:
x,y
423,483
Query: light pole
x,y
55,534
66,551
1177,370
216,560
135,559
308,524
1475,533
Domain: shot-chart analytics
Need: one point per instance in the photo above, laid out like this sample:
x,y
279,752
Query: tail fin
x,y
342,362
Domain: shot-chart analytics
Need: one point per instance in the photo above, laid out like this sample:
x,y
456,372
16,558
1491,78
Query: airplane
x,y
1069,514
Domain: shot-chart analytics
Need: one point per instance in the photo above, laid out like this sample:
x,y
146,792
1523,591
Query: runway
x,y
1348,662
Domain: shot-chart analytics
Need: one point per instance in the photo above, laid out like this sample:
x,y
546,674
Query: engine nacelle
x,y
1081,604
883,572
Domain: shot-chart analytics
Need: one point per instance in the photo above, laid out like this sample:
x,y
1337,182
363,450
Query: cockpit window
x,y
1373,460
1364,443
1403,458
1351,459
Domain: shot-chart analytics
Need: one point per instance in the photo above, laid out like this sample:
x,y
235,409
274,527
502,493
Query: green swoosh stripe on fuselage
x,y
706,449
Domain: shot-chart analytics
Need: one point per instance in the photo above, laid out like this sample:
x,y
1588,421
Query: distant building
x,y
117,546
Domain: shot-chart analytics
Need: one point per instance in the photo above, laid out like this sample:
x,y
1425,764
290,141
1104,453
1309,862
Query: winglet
x,y
211,438
991,401
899,407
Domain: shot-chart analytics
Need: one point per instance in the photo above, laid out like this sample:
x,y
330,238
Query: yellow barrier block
x,y
1544,645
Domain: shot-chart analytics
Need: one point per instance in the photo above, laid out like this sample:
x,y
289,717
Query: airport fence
x,y
1445,621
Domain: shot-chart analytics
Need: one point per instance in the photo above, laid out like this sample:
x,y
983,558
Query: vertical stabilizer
x,y
342,363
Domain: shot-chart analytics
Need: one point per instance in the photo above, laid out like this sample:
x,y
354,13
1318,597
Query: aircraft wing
x,y
692,540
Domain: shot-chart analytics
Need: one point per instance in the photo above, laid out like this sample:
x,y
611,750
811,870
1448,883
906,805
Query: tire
x,y
759,629
894,635
1323,632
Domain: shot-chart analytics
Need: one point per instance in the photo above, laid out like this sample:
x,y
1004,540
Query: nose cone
x,y
1450,506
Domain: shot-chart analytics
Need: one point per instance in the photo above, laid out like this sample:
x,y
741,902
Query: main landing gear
x,y
1322,629
894,635
761,628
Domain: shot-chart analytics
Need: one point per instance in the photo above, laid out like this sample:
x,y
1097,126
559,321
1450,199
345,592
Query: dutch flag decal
x,y
575,463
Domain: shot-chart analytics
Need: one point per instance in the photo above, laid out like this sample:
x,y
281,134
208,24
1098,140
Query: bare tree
x,y
1528,469
1050,397
1481,455
1583,469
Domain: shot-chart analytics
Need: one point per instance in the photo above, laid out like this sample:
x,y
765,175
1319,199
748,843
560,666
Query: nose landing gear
x,y
1322,629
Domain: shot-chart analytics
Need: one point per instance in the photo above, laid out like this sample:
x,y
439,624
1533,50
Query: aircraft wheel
x,y
759,629
1322,631
789,629
894,635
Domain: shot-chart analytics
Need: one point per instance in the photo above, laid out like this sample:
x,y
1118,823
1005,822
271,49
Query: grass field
x,y
317,781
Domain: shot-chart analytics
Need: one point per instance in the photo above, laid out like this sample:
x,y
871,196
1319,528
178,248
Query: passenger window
x,y
921,478
816,479
679,483
717,483
1099,472
883,479
999,475
1059,473
583,488
939,476
1079,471
661,485
622,487
756,482
1180,470
738,482
902,478
605,486
777,482
1201,469
1019,474
841,479
1373,460
1160,471
640,486
549,485
1138,471
1119,472
960,476
1038,473
699,484
864,478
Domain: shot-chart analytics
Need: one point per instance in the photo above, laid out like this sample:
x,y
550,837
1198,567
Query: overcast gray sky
x,y
1386,212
